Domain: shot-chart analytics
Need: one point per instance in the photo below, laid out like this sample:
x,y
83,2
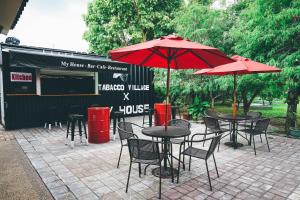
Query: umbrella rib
x,y
156,51
147,58
223,56
198,56
176,56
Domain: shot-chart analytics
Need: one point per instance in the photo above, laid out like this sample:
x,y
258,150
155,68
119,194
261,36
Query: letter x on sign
x,y
126,96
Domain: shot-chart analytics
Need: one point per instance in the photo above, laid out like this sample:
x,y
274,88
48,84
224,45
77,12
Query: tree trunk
x,y
292,101
223,99
246,107
246,103
212,103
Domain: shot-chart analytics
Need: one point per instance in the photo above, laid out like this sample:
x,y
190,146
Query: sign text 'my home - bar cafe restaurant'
x,y
34,79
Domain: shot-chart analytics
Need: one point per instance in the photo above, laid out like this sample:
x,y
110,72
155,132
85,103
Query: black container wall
x,y
31,111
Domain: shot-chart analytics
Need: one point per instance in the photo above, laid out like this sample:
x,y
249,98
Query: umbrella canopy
x,y
241,66
171,52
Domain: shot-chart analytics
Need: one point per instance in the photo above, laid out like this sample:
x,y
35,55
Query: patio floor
x,y
89,172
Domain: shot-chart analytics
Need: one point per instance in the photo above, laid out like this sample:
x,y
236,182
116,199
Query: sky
x,y
52,23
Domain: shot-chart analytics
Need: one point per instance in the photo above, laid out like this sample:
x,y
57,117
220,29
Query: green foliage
x,y
269,31
197,109
202,24
116,23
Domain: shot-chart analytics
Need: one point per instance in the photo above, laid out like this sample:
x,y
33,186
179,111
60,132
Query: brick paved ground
x,y
5,135
89,172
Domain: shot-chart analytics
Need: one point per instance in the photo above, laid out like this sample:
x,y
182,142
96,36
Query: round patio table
x,y
160,132
233,120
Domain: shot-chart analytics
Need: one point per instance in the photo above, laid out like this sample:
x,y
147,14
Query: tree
x,y
269,31
116,23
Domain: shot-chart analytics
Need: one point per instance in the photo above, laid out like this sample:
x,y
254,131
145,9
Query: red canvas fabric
x,y
182,54
241,66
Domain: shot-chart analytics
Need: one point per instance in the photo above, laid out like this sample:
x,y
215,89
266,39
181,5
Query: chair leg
x,y
260,138
159,195
85,133
72,133
267,142
128,176
172,169
178,171
68,126
190,163
80,130
208,175
216,165
254,144
218,143
120,156
146,169
183,158
204,137
140,170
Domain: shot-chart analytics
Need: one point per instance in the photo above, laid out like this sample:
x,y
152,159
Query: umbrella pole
x,y
167,96
234,95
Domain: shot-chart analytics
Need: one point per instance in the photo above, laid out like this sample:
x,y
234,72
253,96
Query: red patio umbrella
x,y
241,66
171,52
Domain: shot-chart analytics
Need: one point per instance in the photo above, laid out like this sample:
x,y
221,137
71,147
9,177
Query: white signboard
x,y
20,77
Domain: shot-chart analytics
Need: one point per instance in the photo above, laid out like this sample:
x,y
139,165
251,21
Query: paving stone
x,y
89,172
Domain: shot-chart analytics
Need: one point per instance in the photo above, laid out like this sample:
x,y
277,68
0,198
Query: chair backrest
x,y
211,113
125,130
262,125
211,123
143,149
213,144
180,123
254,115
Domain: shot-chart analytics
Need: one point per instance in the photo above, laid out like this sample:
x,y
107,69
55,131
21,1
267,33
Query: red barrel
x,y
98,124
160,114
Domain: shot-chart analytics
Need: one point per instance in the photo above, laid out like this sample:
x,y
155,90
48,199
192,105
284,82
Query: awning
x,y
50,60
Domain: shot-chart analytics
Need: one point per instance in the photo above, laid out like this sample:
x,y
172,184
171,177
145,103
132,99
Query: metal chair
x,y
214,114
116,116
183,124
200,153
125,130
261,127
211,113
249,124
212,126
144,152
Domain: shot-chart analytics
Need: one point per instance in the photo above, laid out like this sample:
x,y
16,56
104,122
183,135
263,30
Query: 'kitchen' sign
x,y
20,77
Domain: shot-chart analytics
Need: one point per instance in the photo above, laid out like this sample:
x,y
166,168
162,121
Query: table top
x,y
233,118
172,132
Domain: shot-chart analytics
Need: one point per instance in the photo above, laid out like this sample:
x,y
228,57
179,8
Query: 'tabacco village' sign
x,y
129,92
127,88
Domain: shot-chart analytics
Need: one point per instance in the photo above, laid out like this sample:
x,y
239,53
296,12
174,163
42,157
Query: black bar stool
x,y
52,117
116,115
149,112
74,119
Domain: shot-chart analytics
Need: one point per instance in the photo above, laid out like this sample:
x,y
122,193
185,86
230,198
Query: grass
x,y
277,113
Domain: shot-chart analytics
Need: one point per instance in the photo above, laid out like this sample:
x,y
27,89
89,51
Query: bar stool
x,y
74,119
116,115
52,117
149,112
175,109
